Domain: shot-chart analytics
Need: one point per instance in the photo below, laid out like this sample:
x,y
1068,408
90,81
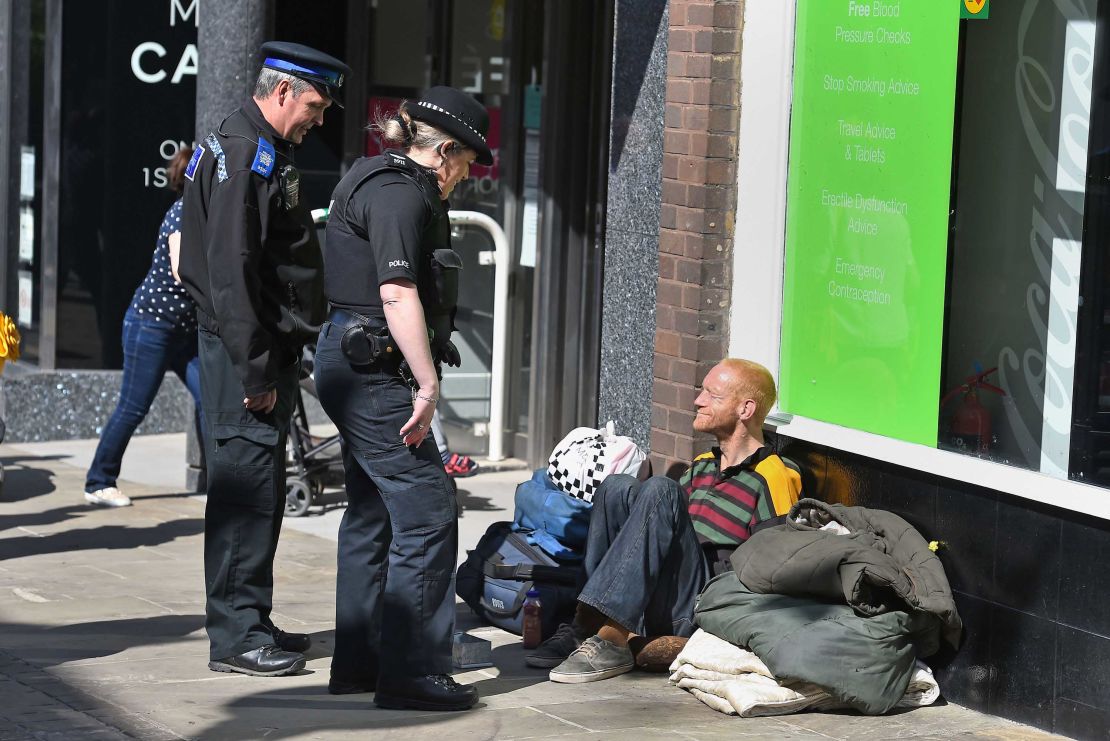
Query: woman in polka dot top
x,y
159,334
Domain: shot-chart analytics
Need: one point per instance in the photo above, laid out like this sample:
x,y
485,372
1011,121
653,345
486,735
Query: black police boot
x,y
295,642
430,692
351,685
266,661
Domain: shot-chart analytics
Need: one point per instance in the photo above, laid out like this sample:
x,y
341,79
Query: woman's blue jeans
x,y
150,348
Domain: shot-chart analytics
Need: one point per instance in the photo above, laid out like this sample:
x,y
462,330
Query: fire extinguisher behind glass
x,y
971,422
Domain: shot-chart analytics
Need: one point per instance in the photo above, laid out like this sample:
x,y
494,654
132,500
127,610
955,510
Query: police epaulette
x,y
221,165
263,158
191,169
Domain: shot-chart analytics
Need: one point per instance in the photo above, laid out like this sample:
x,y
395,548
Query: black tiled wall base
x,y
1032,584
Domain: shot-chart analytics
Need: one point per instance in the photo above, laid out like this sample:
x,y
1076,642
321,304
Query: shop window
x,y
947,281
467,44
128,102
1020,377
25,261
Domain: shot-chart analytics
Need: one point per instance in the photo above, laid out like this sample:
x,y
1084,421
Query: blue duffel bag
x,y
550,518
496,576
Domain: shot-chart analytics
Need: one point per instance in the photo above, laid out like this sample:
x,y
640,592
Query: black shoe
x,y
267,661
338,686
430,692
295,642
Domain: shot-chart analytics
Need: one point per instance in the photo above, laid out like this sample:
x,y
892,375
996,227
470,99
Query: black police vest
x,y
438,272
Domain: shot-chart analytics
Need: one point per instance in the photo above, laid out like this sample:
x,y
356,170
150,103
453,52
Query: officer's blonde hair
x,y
401,128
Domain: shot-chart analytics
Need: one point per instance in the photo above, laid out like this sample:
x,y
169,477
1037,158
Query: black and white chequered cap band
x,y
434,107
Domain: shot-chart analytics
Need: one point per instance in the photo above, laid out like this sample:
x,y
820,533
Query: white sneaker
x,y
109,496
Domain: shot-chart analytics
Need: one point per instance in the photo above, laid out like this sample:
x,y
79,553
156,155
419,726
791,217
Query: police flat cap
x,y
458,114
322,70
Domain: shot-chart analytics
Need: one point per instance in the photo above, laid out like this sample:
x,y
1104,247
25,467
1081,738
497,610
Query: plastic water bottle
x,y
533,624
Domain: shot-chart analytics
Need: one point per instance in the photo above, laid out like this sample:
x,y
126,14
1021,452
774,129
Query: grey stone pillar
x,y
228,38
15,35
632,219
227,47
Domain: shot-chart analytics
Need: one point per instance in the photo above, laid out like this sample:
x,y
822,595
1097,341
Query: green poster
x,y
867,214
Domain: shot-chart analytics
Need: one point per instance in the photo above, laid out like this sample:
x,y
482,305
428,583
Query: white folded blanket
x,y
733,680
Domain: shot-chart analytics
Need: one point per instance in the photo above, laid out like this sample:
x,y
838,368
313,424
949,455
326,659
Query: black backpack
x,y
496,576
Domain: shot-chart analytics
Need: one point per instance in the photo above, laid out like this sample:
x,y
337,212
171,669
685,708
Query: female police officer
x,y
391,279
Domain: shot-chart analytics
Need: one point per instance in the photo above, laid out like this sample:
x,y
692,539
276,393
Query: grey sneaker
x,y
594,660
557,648
109,496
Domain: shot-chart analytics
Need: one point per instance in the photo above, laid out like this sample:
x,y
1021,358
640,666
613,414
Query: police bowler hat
x,y
457,114
322,70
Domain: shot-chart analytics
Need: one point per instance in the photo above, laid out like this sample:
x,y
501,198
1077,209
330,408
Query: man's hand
x,y
264,402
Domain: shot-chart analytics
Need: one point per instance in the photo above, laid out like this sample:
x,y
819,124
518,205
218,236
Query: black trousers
x,y
245,456
644,564
394,592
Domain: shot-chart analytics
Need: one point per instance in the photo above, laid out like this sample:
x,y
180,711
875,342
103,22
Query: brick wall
x,y
698,214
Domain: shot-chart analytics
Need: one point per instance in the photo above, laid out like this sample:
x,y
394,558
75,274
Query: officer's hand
x,y
420,423
450,355
264,402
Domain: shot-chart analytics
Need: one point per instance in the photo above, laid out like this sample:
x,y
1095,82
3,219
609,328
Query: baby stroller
x,y
313,464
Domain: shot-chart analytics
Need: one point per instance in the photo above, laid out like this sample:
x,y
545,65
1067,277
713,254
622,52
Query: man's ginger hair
x,y
755,382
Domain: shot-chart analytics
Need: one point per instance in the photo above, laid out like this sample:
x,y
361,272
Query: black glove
x,y
449,354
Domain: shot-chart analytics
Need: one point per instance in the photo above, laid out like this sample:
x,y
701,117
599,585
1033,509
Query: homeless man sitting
x,y
652,546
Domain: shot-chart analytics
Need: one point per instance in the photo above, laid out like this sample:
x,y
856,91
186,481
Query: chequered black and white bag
x,y
582,460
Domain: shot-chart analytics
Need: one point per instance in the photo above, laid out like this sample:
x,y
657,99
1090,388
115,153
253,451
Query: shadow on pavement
x,y
470,502
323,643
164,495
105,536
42,519
48,646
317,712
73,712
22,483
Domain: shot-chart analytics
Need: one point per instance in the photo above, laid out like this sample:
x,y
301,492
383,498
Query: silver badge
x,y
290,187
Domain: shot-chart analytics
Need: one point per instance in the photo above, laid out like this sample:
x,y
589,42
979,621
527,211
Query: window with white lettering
x,y
946,280
1026,372
128,105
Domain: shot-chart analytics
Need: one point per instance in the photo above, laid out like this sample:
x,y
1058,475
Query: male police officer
x,y
250,259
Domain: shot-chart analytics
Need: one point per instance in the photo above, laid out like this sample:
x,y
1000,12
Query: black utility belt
x,y
363,343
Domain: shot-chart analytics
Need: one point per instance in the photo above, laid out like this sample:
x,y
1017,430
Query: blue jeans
x,y
644,565
150,348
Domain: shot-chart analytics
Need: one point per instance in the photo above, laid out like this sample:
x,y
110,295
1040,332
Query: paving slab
x,y
102,634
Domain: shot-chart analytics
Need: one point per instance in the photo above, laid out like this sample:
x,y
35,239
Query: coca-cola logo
x,y
1047,380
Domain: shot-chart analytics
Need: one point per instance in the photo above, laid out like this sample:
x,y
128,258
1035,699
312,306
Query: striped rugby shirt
x,y
723,505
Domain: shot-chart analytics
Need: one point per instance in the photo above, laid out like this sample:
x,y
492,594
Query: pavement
x,y
102,633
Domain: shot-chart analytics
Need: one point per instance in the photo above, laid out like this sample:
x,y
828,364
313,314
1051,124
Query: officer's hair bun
x,y
402,129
